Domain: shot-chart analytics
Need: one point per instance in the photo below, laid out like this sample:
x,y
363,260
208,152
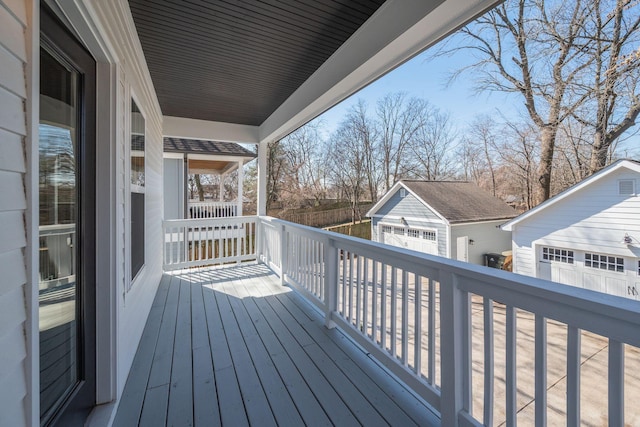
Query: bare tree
x,y
612,103
399,118
432,145
535,49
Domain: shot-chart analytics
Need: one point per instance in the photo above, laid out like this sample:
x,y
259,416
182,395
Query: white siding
x,y
487,238
594,219
134,80
13,240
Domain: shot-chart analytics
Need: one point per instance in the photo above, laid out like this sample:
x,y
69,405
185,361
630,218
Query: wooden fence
x,y
325,218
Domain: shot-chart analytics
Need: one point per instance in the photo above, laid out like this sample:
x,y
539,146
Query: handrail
x,y
408,309
205,242
212,209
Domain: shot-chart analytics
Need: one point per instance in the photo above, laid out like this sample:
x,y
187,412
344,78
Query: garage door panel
x,y
593,282
616,286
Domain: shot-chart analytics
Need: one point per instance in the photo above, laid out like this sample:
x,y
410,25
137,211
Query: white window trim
x,y
406,231
130,96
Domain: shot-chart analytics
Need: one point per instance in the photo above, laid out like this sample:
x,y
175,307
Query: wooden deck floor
x,y
232,347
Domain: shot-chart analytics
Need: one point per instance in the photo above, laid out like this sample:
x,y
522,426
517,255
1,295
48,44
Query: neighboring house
x,y
453,219
587,236
183,157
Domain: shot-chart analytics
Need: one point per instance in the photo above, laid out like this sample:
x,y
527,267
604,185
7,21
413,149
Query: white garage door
x,y
417,239
598,272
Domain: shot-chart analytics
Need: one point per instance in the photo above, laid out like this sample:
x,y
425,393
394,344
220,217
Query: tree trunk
x,y
599,152
547,145
199,187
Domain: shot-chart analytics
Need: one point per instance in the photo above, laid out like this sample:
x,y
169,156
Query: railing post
x,y
455,347
283,254
330,256
258,239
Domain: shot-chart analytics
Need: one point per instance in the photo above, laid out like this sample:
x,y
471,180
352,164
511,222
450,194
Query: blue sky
x,y
427,77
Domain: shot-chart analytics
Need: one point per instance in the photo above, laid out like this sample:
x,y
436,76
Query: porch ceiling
x,y
237,62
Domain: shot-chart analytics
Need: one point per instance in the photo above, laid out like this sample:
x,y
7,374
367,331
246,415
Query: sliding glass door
x,y
67,227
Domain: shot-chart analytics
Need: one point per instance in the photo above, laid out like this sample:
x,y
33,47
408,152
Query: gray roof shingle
x,y
198,146
460,201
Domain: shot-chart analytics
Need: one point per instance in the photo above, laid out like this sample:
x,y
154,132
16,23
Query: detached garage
x,y
587,236
453,219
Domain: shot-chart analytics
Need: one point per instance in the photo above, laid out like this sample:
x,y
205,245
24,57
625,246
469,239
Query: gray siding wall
x,y
416,214
486,238
173,189
13,236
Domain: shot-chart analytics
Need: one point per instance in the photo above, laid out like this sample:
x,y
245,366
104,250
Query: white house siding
x,y
13,237
594,219
416,215
486,236
133,80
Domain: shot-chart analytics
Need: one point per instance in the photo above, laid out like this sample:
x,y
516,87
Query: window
x,y
403,193
398,230
559,255
604,262
626,187
413,233
638,267
429,235
137,189
386,229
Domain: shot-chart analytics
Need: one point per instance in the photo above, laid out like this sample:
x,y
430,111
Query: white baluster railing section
x,y
204,242
211,209
418,315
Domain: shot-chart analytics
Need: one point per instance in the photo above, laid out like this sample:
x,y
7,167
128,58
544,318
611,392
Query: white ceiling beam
x,y
182,127
399,30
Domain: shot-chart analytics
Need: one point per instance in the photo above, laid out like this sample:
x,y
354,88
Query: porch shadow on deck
x,y
233,347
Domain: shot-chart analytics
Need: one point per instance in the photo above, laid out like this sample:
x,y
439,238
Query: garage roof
x,y
455,201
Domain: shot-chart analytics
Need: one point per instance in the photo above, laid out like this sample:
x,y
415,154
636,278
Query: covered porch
x,y
195,178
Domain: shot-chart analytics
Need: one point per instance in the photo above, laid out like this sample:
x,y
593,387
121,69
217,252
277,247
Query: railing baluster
x,y
374,302
383,308
358,292
431,334
616,383
488,361
417,332
540,371
365,299
394,309
573,376
343,258
510,364
351,258
404,333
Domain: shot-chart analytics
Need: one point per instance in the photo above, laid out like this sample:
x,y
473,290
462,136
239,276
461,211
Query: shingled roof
x,y
460,201
198,146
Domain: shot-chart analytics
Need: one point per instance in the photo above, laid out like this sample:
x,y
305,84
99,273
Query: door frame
x,y
81,400
85,24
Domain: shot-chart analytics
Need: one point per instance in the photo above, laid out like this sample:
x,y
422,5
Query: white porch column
x,y
262,178
240,185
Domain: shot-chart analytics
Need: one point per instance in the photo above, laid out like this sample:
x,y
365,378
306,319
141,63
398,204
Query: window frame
x,y
131,189
553,254
597,261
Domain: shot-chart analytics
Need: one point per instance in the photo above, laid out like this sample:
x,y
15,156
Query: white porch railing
x,y
211,209
200,242
418,315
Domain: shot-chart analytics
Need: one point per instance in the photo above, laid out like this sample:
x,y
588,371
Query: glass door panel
x,y
58,214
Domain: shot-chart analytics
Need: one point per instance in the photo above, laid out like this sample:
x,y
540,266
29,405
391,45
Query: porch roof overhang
x,y
255,71
208,157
